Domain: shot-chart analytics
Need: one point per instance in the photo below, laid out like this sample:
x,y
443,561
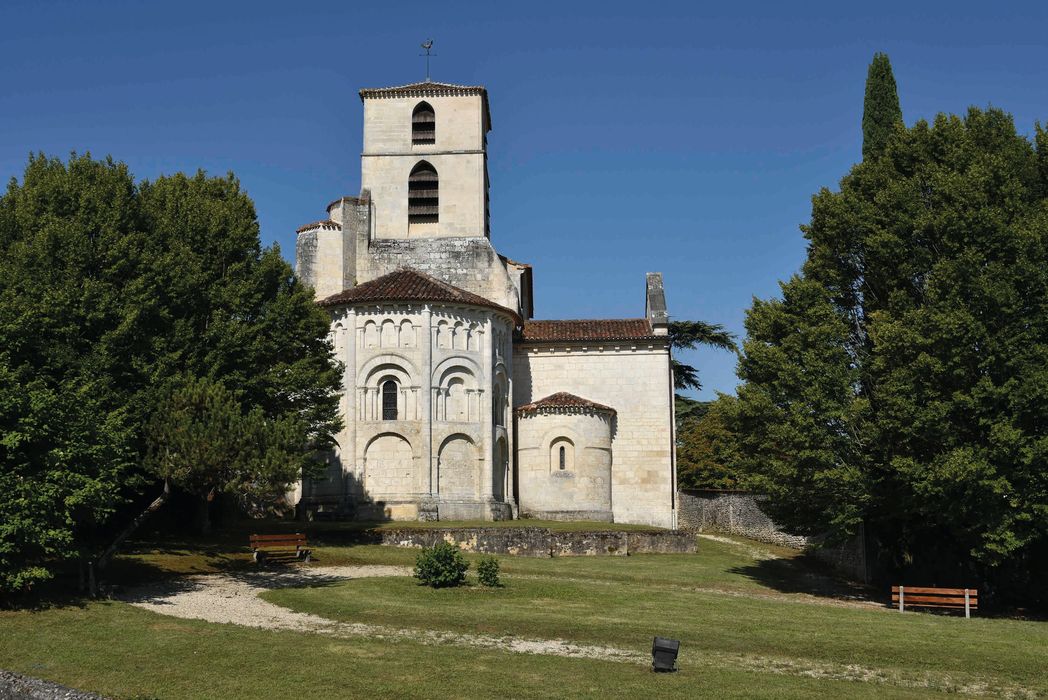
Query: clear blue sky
x,y
686,138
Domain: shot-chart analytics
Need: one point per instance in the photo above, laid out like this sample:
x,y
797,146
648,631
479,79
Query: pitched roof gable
x,y
564,400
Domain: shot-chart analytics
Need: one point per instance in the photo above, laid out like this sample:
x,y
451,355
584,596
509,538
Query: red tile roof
x,y
596,329
319,224
407,284
563,399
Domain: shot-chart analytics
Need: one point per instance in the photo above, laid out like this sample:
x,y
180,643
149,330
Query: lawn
x,y
754,621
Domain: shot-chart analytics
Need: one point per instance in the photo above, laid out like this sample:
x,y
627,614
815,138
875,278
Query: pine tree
x,y
881,113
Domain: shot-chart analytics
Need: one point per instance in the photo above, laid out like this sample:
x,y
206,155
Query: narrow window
x,y
389,400
423,124
563,457
423,195
496,407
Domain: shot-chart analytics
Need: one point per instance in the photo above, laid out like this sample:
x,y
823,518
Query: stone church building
x,y
457,403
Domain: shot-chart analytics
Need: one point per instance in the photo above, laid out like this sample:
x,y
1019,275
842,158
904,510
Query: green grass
x,y
749,626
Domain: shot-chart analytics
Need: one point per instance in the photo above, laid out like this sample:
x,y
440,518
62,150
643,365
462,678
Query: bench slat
x,y
265,538
942,591
915,599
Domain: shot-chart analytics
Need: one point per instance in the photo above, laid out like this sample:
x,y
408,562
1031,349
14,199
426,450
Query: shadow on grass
x,y
805,574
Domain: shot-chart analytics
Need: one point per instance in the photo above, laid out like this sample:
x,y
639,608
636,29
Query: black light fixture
x,y
664,655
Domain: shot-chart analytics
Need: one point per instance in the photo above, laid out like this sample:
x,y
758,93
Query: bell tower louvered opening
x,y
423,195
423,125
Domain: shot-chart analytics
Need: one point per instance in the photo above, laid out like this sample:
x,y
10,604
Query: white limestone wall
x,y
319,260
387,124
578,489
457,155
461,193
634,379
440,457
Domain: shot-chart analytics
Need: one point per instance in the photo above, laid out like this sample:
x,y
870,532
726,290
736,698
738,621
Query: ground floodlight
x,y
664,655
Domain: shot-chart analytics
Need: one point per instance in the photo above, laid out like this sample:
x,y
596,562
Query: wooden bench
x,y
966,599
280,547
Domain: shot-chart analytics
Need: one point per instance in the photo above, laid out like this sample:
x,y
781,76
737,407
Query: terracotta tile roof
x,y
431,87
563,399
513,262
596,329
407,284
318,224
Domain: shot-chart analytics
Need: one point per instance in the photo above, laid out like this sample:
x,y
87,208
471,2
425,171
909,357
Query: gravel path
x,y
233,599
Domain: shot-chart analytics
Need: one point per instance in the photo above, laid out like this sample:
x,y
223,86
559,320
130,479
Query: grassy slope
x,y
750,624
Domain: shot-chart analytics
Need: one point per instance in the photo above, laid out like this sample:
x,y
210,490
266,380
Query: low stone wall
x,y
519,541
733,512
739,513
541,542
15,686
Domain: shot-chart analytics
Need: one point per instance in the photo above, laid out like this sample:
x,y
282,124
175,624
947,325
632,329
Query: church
x,y
457,403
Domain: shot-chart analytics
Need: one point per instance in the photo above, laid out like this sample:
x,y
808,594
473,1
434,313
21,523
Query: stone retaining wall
x,y
739,513
733,512
541,542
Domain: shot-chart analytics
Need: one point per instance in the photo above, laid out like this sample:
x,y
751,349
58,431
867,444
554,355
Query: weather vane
x,y
427,45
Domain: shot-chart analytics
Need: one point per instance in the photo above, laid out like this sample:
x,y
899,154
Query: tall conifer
x,y
881,112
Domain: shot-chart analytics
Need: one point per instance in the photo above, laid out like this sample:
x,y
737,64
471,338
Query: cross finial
x,y
427,45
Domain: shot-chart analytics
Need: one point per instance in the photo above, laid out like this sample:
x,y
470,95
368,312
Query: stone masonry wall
x,y
633,377
739,513
541,542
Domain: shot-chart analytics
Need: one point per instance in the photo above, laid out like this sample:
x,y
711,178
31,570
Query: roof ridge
x,y
423,84
407,283
564,399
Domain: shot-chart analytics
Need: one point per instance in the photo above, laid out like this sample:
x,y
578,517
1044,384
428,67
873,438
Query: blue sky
x,y
686,138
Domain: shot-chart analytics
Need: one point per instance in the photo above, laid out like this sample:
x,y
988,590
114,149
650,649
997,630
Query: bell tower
x,y
425,160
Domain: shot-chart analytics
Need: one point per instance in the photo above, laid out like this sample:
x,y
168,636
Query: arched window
x,y
423,124
389,400
423,199
562,455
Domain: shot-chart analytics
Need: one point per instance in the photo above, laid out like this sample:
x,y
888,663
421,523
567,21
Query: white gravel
x,y
233,599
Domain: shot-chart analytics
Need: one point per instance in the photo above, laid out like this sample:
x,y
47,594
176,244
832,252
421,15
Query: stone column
x,y
426,382
487,430
349,391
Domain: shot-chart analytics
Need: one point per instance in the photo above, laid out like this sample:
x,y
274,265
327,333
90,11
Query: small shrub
x,y
442,566
488,572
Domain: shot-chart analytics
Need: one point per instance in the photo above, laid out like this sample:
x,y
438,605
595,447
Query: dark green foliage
x,y
707,449
488,572
797,412
687,335
685,409
881,113
903,379
441,566
110,295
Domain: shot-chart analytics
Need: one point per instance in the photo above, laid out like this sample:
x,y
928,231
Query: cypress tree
x,y
881,112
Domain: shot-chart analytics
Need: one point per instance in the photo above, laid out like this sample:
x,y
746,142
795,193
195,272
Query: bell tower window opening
x,y
563,457
423,195
423,125
389,400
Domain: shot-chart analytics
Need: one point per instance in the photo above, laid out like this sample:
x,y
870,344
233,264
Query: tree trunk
x,y
204,514
101,562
